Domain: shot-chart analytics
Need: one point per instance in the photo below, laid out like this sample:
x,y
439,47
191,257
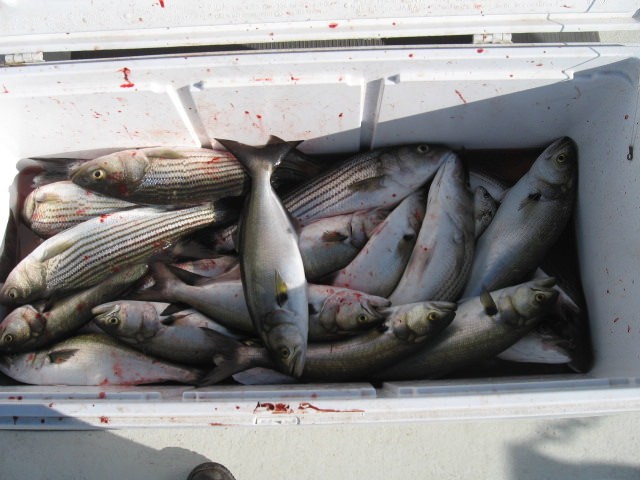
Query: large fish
x,y
333,311
272,271
528,222
441,258
187,337
377,179
93,359
379,265
54,207
404,331
29,327
174,175
484,326
84,255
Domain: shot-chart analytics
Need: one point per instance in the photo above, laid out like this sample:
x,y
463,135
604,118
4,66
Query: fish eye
x,y
362,318
561,158
539,297
423,148
8,338
432,316
284,352
12,293
113,321
98,174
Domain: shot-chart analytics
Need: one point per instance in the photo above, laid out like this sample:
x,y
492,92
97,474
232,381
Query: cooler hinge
x,y
16,59
495,38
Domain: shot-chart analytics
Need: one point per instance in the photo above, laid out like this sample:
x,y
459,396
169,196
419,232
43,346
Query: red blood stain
x,y
97,115
616,319
340,115
4,89
314,395
104,419
264,79
294,78
307,405
246,112
102,395
258,116
128,83
538,64
86,257
393,23
626,117
80,307
161,3
237,407
480,50
103,217
411,55
216,424
81,211
333,25
11,397
460,96
104,382
511,75
274,407
31,356
50,405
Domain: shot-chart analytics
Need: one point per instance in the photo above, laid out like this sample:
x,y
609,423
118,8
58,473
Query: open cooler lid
x,y
67,25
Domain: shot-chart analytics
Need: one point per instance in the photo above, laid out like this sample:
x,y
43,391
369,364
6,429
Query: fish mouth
x,y
102,312
295,364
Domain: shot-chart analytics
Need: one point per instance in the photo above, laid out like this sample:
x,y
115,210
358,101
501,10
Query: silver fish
x,y
377,179
441,258
405,329
273,277
495,187
528,222
93,359
209,267
484,209
84,255
538,346
331,243
379,265
174,175
55,207
187,337
333,311
484,326
29,327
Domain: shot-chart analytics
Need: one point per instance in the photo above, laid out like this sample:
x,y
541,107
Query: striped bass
x,y
84,255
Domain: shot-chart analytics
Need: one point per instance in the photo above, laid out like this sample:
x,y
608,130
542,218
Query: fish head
x,y
112,318
24,283
414,322
286,342
359,311
417,162
533,299
20,326
557,164
119,172
29,208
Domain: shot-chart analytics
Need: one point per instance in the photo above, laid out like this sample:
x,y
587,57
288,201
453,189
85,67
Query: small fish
x,y
440,261
475,335
404,331
29,327
55,207
494,187
187,337
484,209
93,359
273,278
84,255
528,222
379,265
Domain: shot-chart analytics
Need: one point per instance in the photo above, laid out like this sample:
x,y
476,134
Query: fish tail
x,y
237,360
53,169
165,287
258,159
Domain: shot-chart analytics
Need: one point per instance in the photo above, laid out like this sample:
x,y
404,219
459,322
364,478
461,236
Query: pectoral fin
x,y
489,305
368,184
61,356
532,197
282,292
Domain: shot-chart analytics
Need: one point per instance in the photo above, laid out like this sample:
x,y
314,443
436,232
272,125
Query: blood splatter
x,y
102,395
460,96
626,117
4,89
104,419
333,25
258,116
306,405
294,78
274,407
480,50
340,115
411,55
128,83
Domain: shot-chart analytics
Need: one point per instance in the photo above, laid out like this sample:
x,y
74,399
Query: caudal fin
x,y
257,159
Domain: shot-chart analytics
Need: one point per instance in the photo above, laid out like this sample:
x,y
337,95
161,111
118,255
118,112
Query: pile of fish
x,y
270,266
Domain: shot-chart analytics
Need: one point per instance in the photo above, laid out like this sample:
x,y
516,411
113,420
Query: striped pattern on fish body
x,y
30,327
528,222
376,179
479,331
165,176
329,244
441,258
55,207
379,265
93,359
89,252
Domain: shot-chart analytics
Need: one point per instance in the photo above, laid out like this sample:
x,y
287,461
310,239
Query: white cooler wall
x,y
339,101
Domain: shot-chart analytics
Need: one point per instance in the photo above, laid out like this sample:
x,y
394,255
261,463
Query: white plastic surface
x,y
339,101
68,25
